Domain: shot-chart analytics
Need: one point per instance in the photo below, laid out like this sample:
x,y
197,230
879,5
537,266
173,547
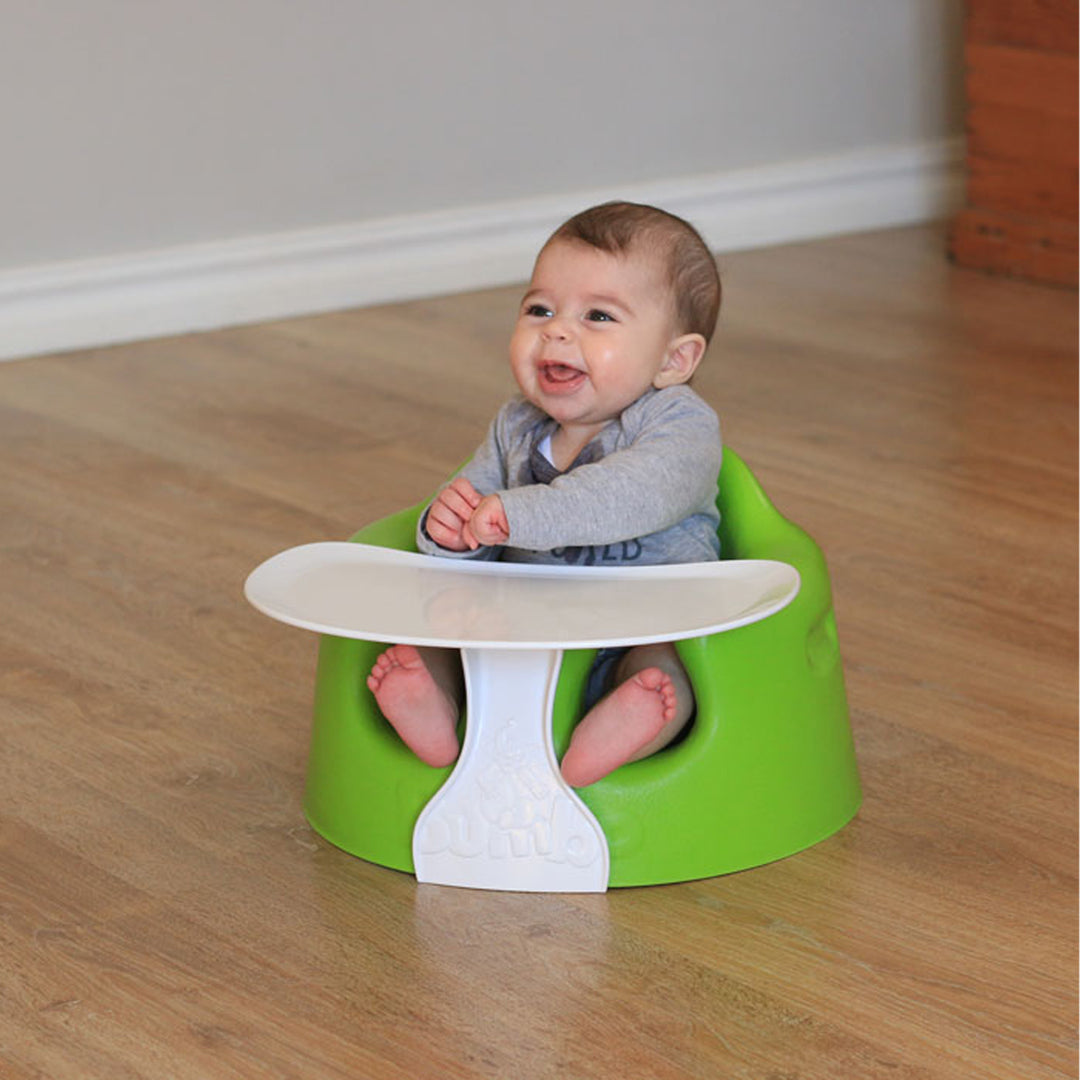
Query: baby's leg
x,y
649,706
420,691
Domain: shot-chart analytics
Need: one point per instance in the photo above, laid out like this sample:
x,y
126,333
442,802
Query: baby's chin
x,y
577,419
576,408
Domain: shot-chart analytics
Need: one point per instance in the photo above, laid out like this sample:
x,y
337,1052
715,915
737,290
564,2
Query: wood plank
x,y
1005,133
1036,248
1021,78
1023,188
165,911
1038,24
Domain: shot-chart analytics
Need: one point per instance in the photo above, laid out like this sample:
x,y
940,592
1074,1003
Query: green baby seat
x,y
766,769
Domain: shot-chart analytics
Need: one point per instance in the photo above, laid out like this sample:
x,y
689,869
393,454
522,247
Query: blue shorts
x,y
601,678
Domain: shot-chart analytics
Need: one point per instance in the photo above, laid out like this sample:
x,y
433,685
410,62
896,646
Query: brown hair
x,y
617,227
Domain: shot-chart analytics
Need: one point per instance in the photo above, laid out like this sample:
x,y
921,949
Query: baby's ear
x,y
683,356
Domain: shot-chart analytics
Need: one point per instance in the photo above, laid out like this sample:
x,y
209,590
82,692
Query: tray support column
x,y
505,818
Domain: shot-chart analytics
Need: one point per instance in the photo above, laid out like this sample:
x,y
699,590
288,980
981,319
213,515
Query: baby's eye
x,y
596,315
538,311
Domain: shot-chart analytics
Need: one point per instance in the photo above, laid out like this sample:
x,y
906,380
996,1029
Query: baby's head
x,y
623,299
684,260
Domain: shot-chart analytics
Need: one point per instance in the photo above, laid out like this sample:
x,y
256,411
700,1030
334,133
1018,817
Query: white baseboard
x,y
75,305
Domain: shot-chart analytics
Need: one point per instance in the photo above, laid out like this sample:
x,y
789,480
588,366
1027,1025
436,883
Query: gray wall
x,y
131,125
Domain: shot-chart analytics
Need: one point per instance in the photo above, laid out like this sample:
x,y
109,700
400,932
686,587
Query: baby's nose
x,y
556,329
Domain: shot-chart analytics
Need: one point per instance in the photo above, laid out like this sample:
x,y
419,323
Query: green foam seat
x,y
766,769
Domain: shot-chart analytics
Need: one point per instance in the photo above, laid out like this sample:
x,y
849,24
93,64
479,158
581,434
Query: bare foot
x,y
418,708
620,728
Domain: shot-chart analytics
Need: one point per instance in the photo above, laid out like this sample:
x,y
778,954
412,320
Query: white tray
x,y
379,594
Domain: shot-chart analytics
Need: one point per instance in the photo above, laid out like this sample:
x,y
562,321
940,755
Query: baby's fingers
x,y
446,515
456,502
468,538
445,535
464,488
444,526
488,524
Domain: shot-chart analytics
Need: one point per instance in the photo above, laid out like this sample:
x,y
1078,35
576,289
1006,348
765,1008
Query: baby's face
x,y
593,334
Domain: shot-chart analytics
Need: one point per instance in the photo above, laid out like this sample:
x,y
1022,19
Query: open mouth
x,y
560,378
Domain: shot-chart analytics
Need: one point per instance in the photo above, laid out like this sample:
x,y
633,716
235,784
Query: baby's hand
x,y
450,514
488,525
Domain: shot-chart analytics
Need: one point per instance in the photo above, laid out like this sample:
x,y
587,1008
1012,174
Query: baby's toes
x,y
652,679
671,701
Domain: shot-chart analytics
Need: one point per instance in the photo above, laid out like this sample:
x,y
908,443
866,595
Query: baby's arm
x,y
666,474
441,527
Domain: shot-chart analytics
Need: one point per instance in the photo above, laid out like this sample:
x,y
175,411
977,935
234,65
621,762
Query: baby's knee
x,y
662,655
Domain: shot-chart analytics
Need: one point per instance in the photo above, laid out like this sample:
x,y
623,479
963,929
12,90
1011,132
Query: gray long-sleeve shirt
x,y
642,492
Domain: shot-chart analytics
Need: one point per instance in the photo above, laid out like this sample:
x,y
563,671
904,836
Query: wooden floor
x,y
166,912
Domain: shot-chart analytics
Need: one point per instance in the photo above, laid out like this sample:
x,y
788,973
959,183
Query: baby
x,y
606,458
